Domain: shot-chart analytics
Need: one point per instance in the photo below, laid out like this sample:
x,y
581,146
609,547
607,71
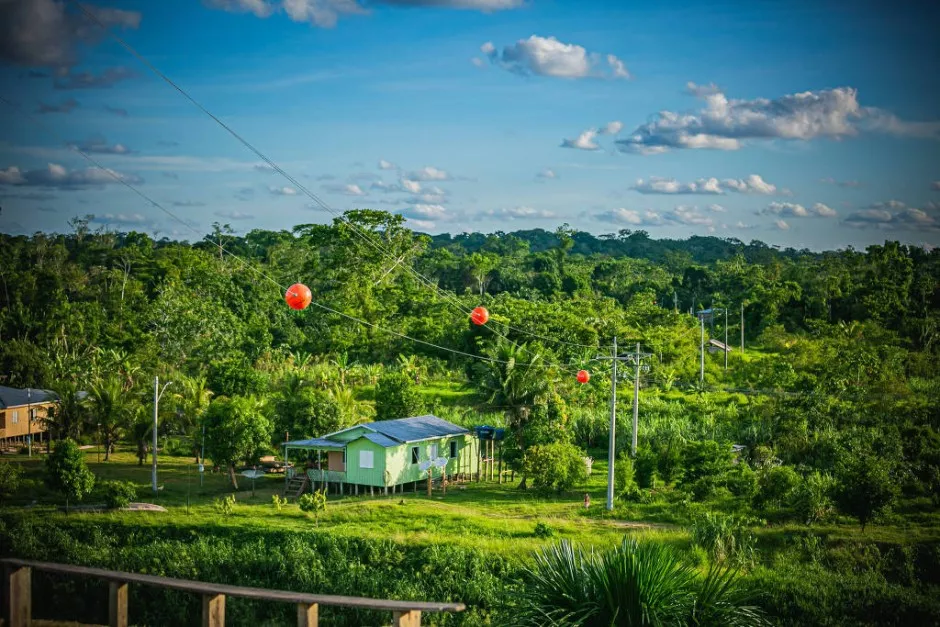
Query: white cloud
x,y
700,91
782,225
753,184
322,13
235,215
283,191
427,212
55,175
893,215
513,213
611,128
584,141
547,173
347,189
793,210
98,145
387,165
725,123
625,216
260,8
546,56
824,211
429,173
411,186
682,215
716,208
477,61
427,225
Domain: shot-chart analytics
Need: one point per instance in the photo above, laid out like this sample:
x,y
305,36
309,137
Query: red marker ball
x,y
583,376
479,316
298,296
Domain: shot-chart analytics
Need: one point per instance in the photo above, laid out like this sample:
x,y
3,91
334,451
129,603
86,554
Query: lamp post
x,y
157,393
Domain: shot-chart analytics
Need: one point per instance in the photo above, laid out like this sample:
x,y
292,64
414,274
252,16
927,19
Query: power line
x,y
122,180
423,279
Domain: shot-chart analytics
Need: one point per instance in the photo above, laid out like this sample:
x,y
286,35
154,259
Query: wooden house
x,y
23,414
386,454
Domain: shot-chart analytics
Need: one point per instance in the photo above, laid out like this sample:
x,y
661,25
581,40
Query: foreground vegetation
x,y
825,511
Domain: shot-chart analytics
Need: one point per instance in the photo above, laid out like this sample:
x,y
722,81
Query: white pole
x,y
29,422
636,400
701,372
613,431
156,402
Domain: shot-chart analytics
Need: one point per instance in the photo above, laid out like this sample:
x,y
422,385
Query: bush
x,y
395,397
742,481
118,494
625,476
813,498
11,476
725,538
278,502
315,503
645,468
66,472
776,486
866,488
554,467
543,531
706,467
225,506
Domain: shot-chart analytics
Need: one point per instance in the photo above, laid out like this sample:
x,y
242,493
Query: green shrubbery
x,y
118,494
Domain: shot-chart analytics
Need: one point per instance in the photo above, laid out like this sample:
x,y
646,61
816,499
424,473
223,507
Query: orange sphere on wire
x,y
583,376
298,296
479,316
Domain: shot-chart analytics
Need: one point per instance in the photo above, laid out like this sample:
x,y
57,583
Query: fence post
x,y
410,618
213,610
117,604
19,596
308,615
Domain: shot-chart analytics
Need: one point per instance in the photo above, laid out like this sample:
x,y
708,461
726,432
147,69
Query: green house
x,y
387,453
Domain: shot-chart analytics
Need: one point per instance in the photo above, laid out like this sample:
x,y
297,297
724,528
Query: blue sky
x,y
803,124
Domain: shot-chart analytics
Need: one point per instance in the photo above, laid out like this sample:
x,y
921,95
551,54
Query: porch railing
x,y
18,596
330,476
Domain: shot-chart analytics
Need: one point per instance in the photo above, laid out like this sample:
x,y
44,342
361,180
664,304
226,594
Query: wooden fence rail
x,y
18,598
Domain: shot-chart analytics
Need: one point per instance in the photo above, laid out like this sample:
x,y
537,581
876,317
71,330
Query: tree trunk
x,y
522,484
231,475
107,448
141,452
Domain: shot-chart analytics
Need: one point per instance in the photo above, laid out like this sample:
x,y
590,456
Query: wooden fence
x,y
18,598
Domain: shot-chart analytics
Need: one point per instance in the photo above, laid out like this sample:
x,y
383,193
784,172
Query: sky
x,y
805,124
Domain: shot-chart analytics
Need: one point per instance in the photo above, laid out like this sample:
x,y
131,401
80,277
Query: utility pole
x,y
701,370
726,338
742,327
29,422
611,453
637,360
157,393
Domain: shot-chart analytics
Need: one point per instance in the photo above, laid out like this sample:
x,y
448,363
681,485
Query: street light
x,y
157,393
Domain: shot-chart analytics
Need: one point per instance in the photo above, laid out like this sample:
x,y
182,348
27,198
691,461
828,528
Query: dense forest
x,y
834,403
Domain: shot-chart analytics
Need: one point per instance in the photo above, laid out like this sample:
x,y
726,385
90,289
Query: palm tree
x,y
65,418
352,409
410,366
112,408
516,380
344,365
194,398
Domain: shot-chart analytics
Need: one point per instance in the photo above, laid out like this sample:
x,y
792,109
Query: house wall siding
x,y
366,476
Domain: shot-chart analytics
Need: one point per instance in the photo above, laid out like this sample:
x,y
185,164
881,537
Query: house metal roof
x,y
16,397
314,443
415,428
381,440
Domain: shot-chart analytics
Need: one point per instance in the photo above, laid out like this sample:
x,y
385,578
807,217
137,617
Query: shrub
x,y
706,467
11,476
633,584
278,502
225,506
315,503
554,467
812,500
395,397
742,481
543,531
625,476
776,486
726,538
645,467
66,472
866,488
118,494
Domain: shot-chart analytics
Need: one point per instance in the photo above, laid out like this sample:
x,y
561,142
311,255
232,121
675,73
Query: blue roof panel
x,y
315,443
381,440
416,428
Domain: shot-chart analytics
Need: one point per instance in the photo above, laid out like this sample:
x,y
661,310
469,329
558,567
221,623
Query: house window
x,y
414,454
365,459
453,448
434,451
16,417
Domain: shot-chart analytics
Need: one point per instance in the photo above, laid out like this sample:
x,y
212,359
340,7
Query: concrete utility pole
x,y
637,360
701,369
611,453
29,422
157,393
726,338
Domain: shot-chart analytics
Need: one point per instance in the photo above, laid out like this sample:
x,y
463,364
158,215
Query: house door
x,y
433,451
335,461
